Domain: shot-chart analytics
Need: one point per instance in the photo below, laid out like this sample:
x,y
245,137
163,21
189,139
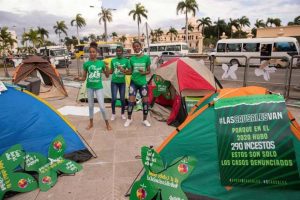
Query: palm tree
x,y
275,21
92,37
295,22
59,28
220,26
243,21
79,22
6,40
153,37
137,14
185,7
123,38
233,23
172,31
259,23
204,22
32,36
43,32
105,16
158,32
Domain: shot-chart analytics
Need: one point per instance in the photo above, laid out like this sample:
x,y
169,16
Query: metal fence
x,y
293,84
278,74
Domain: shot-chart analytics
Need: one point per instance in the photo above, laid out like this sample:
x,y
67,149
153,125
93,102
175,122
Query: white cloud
x,y
161,13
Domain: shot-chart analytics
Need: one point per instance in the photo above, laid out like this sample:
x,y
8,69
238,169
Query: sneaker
x,y
123,117
128,122
146,123
113,117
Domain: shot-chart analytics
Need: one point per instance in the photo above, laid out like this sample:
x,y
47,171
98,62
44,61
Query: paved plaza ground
x,y
108,176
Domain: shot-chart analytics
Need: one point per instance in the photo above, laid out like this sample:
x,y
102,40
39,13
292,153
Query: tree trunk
x,y
77,35
105,31
59,38
186,27
139,31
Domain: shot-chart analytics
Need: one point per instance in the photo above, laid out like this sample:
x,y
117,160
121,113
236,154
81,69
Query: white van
x,y
57,55
253,47
178,48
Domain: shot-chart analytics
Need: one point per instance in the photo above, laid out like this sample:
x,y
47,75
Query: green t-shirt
x,y
118,76
94,70
137,63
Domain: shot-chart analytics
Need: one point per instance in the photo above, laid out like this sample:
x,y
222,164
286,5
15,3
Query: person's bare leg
x,y
108,127
91,124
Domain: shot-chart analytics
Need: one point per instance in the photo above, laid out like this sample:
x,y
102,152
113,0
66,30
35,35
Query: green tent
x,y
200,136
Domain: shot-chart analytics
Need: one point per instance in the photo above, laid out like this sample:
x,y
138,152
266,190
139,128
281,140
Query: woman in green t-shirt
x,y
139,68
118,68
92,70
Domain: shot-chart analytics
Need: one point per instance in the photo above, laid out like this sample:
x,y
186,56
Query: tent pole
x,y
127,194
90,148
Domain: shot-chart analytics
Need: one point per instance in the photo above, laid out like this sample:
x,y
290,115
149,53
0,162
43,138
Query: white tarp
x,y
77,110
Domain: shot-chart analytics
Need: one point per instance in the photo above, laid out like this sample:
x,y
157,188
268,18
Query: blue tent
x,y
27,120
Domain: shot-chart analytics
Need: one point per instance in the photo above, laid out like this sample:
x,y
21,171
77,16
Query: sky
x,y
20,15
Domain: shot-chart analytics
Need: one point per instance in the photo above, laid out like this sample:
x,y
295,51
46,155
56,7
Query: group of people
x,y
138,66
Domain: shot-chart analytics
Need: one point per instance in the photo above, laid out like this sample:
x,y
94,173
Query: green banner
x,y
255,143
159,181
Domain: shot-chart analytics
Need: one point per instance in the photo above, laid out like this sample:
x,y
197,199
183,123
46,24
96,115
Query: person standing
x,y
118,68
92,71
139,68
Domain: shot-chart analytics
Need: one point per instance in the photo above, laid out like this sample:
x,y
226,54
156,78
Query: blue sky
x,y
20,14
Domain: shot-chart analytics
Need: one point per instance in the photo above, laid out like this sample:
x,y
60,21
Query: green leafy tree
x,y
114,35
243,22
273,21
60,28
137,14
105,16
158,33
220,27
123,38
79,22
32,36
205,21
92,37
172,31
186,7
6,40
43,34
233,23
295,22
259,23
